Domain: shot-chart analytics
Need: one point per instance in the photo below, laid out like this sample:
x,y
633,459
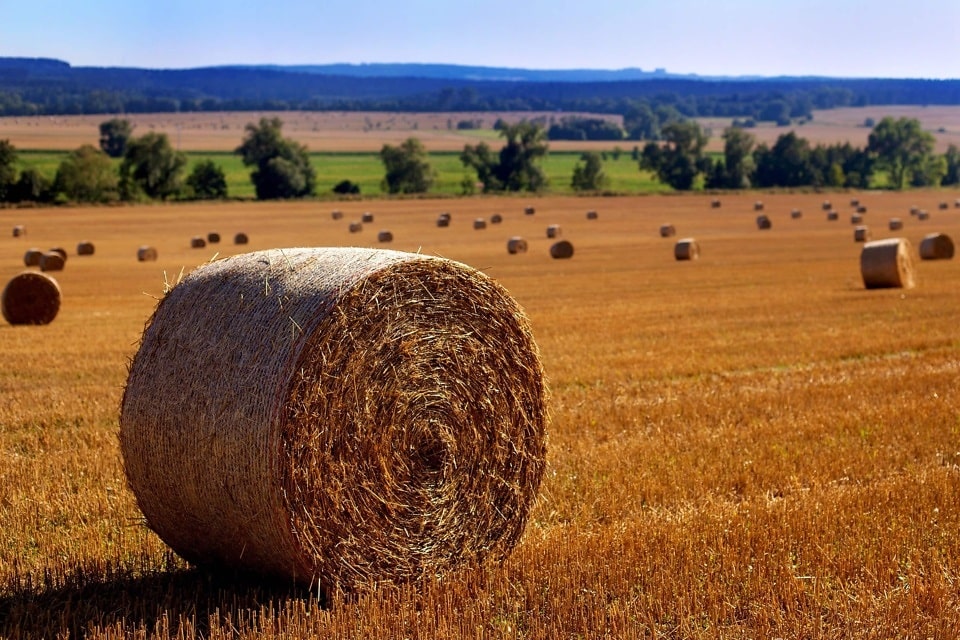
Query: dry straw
x,y
366,217
241,238
213,237
667,230
146,254
887,264
516,244
561,250
85,248
197,242
592,215
553,231
764,222
338,417
31,257
936,246
19,230
479,223
686,249
30,298
861,234
52,261
384,236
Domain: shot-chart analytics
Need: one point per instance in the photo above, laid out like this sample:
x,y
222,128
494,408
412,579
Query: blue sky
x,y
887,38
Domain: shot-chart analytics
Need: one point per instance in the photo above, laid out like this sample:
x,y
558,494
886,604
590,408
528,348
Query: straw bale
x,y
833,215
85,248
52,261
366,217
529,211
715,203
764,222
339,417
796,214
856,218
553,231
592,215
826,206
496,218
854,202
758,206
914,210
923,215
19,230
213,237
355,227
59,251
32,257
861,234
944,205
384,236
686,249
516,244
862,209
240,238
956,203
479,223
895,224
936,246
197,242
443,220
887,264
667,230
561,250
336,214
146,254
30,298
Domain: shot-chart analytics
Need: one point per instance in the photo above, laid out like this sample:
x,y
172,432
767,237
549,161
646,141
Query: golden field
x,y
750,445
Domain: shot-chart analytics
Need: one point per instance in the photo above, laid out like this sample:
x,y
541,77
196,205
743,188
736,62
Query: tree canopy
x,y
588,174
901,147
516,167
151,167
282,166
681,159
87,175
114,135
407,168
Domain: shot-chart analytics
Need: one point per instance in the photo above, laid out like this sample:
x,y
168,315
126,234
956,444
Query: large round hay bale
x,y
936,246
385,422
52,261
241,238
592,215
30,298
895,224
85,248
146,254
758,206
355,227
686,249
60,251
764,222
479,223
561,250
796,214
384,236
516,244
19,230
553,231
833,216
861,234
213,237
667,230
496,218
856,218
336,214
887,264
197,242
366,217
31,257
529,211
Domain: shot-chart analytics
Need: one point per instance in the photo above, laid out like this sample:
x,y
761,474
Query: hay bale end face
x,y
764,222
496,218
479,223
887,264
253,443
936,246
30,298
241,238
553,231
19,230
561,250
213,237
667,230
197,242
32,257
861,234
52,261
895,224
384,236
592,215
146,254
366,217
686,249
516,244
85,248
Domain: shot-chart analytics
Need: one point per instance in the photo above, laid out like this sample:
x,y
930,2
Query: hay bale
x,y
854,202
367,217
516,244
826,206
496,218
715,203
30,298
944,205
32,257
592,215
384,236
833,216
764,222
19,230
861,234
52,261
936,246
529,211
553,231
862,209
59,251
443,220
197,242
887,264
923,215
856,218
561,250
336,214
686,249
796,214
758,206
146,253
914,210
85,248
240,238
895,224
667,230
956,203
479,223
213,237
385,422
355,227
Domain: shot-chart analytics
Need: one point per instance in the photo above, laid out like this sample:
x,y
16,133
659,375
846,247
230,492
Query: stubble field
x,y
750,445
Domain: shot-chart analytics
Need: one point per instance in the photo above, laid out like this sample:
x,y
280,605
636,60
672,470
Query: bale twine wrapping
x,y
479,223
30,298
52,261
197,242
366,217
796,214
861,234
936,246
895,224
213,237
354,416
764,222
553,231
355,227
561,250
529,211
592,215
516,244
32,257
59,251
856,218
146,254
686,249
496,218
336,214
241,238
887,264
667,230
85,248
758,206
19,230
833,216
384,236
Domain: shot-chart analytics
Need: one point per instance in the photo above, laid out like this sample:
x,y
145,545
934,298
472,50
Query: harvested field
x,y
748,445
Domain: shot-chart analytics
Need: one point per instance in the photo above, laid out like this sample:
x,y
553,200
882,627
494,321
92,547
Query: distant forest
x,y
51,87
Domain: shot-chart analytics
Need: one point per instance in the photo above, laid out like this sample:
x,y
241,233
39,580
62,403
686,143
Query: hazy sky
x,y
888,38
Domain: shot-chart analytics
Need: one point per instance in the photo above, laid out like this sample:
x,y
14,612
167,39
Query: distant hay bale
x,y
764,222
956,203
59,251
240,238
85,248
30,298
32,257
19,230
52,261
854,202
553,231
715,203
367,217
443,220
479,223
861,234
923,215
336,214
213,237
686,249
561,250
758,206
856,218
197,242
862,209
355,227
796,214
592,215
384,236
667,230
516,244
496,218
529,211
887,264
146,253
895,224
826,206
936,246
833,216
944,205
914,210
384,423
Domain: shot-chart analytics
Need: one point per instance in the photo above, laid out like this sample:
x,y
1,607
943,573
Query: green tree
x,y
8,169
786,164
680,160
114,136
901,147
152,167
32,186
952,158
346,187
407,168
87,175
207,181
282,166
929,172
588,175
516,167
737,158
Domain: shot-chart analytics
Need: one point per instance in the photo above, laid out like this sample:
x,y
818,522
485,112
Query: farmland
x,y
747,445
